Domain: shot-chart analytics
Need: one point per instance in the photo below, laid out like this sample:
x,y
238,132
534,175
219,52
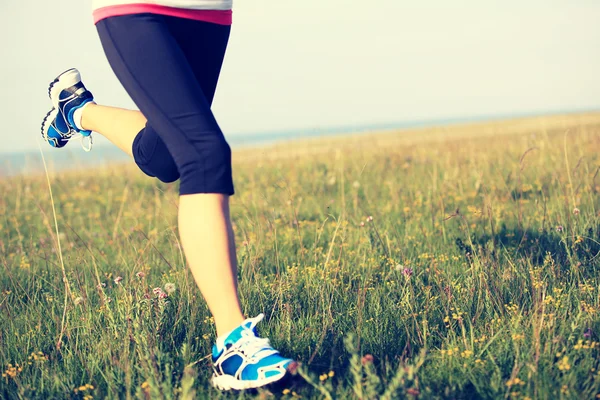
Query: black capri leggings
x,y
170,67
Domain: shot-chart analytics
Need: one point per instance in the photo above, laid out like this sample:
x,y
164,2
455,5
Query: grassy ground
x,y
457,262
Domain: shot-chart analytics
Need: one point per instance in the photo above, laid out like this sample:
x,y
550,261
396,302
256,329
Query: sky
x,y
319,64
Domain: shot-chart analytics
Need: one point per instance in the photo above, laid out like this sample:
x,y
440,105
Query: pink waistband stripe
x,y
221,17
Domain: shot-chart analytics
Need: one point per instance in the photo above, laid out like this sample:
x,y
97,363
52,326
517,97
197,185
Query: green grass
x,y
477,277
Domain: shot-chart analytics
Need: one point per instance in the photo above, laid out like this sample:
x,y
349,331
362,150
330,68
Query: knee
x,y
167,173
209,170
153,158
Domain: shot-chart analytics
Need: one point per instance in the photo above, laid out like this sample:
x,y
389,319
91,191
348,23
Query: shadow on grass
x,y
535,246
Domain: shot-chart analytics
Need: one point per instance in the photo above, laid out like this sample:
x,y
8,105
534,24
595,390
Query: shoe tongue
x,y
251,323
247,325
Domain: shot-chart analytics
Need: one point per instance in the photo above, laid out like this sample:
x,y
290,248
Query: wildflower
x,y
356,184
559,228
407,272
588,333
163,295
84,388
515,381
576,211
78,300
101,285
370,219
466,354
170,288
245,243
331,374
563,364
39,357
323,377
362,224
118,279
12,371
399,267
157,291
367,359
286,391
140,274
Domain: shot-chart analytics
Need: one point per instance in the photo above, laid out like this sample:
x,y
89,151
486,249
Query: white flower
x,y
169,288
78,300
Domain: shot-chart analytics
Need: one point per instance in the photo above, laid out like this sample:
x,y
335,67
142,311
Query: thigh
x,y
204,45
156,73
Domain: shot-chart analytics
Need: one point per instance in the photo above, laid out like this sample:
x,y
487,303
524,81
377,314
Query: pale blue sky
x,y
314,64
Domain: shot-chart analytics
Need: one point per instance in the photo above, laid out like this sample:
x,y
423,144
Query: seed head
x,y
170,288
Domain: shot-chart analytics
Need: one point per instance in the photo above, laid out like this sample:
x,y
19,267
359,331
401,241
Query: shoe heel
x,y
67,79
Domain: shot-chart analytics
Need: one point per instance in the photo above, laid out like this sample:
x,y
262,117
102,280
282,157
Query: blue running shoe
x,y
68,94
55,130
248,361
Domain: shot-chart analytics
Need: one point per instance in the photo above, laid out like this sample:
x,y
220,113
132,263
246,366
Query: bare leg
x,y
204,226
204,223
116,124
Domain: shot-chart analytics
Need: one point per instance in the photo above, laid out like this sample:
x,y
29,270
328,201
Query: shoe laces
x,y
81,138
254,346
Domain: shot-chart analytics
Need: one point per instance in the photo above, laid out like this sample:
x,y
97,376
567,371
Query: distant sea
x,y
73,157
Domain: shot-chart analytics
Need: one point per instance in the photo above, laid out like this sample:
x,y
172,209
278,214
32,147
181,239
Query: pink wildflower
x,y
118,279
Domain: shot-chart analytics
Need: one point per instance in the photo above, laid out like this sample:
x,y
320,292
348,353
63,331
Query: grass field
x,y
455,262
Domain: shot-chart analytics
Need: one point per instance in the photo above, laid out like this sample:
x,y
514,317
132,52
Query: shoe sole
x,y
48,120
229,382
63,81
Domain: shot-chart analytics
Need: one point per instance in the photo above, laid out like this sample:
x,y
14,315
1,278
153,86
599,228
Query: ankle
x,y
226,325
81,117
